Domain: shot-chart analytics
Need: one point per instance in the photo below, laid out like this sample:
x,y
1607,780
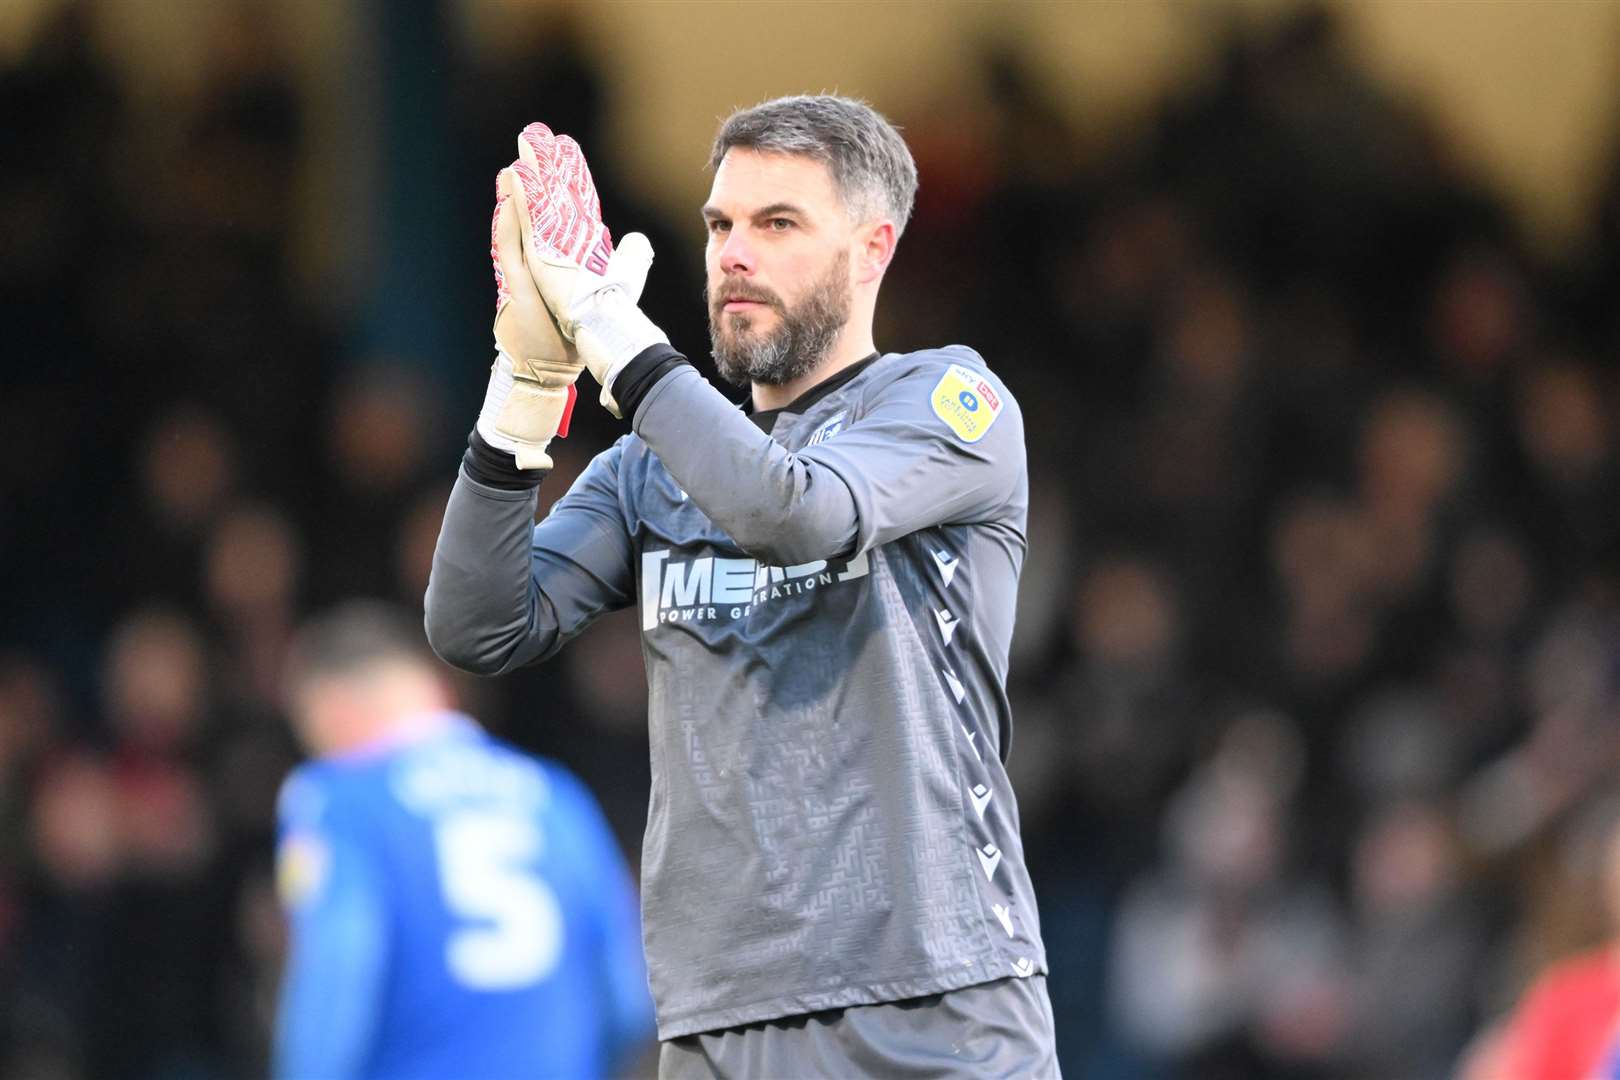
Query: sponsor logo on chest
x,y
713,587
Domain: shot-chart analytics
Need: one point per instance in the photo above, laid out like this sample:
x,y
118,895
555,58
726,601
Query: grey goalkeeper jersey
x,y
826,612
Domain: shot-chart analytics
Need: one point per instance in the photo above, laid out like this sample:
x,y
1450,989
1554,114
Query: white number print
x,y
487,871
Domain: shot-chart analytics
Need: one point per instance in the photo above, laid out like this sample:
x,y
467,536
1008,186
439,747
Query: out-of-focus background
x,y
1313,311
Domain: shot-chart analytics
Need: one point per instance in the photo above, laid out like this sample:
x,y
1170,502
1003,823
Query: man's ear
x,y
874,248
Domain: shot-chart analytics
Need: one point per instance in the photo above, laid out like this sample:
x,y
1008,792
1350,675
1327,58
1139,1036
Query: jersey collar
x,y
767,419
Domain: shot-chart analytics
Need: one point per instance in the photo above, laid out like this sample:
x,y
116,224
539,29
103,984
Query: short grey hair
x,y
870,164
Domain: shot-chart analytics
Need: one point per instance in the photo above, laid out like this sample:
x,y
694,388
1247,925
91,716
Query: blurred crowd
x,y
1317,672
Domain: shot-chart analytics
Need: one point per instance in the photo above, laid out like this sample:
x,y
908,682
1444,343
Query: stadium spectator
x,y
1567,1023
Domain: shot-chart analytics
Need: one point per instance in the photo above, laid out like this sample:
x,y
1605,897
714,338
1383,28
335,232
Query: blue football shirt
x,y
457,909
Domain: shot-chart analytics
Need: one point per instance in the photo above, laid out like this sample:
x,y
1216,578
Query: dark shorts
x,y
998,1029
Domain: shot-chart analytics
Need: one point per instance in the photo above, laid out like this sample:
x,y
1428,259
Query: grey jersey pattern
x,y
826,614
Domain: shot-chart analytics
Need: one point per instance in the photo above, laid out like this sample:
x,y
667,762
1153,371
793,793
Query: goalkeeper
x,y
832,877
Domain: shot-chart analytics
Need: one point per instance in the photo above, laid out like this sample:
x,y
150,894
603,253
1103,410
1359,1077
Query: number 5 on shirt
x,y
511,931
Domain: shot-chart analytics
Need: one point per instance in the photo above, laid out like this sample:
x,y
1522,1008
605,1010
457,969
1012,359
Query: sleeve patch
x,y
303,862
966,401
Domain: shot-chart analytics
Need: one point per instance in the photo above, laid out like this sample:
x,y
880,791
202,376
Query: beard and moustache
x,y
803,337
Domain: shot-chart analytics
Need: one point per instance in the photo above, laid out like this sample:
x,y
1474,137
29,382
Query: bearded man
x,y
833,882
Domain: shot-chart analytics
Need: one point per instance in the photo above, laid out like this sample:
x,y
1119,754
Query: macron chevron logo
x,y
1004,917
981,798
947,624
973,746
1023,968
989,858
946,563
957,690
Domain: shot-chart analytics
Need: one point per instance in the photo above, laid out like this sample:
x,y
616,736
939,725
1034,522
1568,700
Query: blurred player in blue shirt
x,y
457,908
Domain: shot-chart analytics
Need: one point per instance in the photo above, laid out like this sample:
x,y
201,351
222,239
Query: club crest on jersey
x,y
827,430
966,401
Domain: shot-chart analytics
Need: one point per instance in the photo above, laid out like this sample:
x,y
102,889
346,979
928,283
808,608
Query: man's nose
x,y
736,256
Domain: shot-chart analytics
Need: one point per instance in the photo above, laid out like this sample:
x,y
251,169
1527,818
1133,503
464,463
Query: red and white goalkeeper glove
x,y
589,287
531,384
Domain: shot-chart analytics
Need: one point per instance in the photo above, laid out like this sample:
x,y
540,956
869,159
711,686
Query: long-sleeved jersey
x,y
826,611
458,909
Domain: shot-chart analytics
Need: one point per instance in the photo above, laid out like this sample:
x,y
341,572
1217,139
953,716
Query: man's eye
x,y
779,224
715,225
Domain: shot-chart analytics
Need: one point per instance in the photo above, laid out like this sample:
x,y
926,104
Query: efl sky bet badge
x,y
966,401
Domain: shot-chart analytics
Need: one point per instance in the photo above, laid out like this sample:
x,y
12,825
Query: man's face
x,y
778,259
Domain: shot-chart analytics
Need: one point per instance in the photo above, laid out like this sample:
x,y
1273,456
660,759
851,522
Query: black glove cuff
x,y
496,468
636,380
